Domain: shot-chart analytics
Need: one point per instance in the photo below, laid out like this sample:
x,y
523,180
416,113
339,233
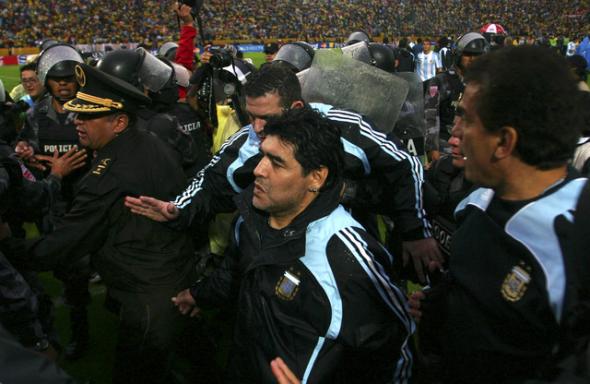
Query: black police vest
x,y
53,136
451,188
191,124
451,88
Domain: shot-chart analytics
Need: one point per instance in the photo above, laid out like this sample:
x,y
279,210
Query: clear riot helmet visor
x,y
181,75
53,55
153,72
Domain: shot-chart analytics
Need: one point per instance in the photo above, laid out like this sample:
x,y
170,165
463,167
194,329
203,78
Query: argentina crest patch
x,y
516,283
288,285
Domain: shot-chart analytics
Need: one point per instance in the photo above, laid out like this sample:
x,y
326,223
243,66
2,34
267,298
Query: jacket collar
x,y
256,220
120,141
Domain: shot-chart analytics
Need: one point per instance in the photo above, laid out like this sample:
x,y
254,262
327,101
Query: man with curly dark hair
x,y
506,301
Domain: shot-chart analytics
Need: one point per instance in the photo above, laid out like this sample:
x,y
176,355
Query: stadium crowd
x,y
120,21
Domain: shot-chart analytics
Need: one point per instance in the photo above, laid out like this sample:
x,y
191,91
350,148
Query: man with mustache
x,y
142,262
309,284
369,155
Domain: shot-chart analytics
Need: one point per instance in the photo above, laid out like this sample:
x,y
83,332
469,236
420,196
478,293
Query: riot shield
x,y
53,55
358,51
411,127
346,83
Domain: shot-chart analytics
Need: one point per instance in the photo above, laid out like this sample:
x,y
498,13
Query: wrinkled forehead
x,y
268,104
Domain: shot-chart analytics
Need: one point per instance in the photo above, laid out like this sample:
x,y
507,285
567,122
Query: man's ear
x,y
297,104
318,178
121,123
507,139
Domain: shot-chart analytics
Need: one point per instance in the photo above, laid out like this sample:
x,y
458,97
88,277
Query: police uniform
x,y
166,127
443,93
193,125
143,263
444,188
47,131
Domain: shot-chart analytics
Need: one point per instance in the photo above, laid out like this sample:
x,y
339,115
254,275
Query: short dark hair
x,y
315,139
578,63
275,77
531,89
28,67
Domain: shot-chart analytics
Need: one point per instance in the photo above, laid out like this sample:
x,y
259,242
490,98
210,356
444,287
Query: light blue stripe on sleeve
x,y
250,148
533,226
357,152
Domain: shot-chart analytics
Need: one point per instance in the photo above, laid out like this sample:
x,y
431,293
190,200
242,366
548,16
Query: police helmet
x,y
123,64
357,36
271,48
181,75
382,57
168,50
58,60
62,69
298,55
47,43
472,44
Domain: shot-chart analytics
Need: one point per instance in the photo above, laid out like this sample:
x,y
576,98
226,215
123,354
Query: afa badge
x,y
516,283
287,286
102,165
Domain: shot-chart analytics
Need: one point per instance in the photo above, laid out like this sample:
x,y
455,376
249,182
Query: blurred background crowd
x,y
150,21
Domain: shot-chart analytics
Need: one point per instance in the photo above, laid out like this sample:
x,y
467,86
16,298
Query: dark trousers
x,y
149,330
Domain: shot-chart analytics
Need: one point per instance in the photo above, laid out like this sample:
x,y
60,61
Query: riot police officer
x,y
49,128
298,55
444,91
148,73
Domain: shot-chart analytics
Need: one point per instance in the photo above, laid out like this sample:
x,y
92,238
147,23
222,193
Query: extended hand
x,y
282,373
206,55
152,208
24,150
186,304
184,13
65,164
421,252
415,304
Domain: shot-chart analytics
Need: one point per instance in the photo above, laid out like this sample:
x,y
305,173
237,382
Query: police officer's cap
x,y
102,93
